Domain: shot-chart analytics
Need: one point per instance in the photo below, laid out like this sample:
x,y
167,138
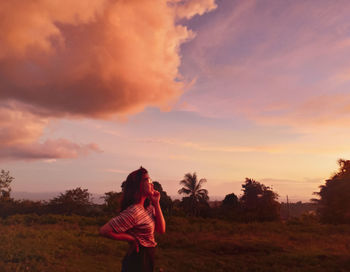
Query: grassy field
x,y
62,243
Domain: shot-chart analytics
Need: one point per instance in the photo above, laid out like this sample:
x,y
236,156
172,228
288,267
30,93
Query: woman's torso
x,y
138,222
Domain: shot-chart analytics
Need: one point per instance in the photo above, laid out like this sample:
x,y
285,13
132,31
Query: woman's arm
x,y
160,222
108,231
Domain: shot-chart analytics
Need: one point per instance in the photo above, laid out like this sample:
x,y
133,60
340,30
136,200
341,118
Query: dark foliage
x,y
5,182
196,202
229,208
259,202
75,201
230,201
334,202
112,202
177,209
194,207
165,201
11,207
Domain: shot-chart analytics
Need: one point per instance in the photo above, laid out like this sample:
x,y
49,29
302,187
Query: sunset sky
x,y
90,90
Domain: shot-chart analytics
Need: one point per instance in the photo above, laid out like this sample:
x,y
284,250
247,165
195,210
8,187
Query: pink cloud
x,y
93,58
20,138
83,59
187,9
50,149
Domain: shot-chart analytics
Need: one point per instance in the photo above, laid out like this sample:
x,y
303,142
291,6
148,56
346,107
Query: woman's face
x,y
146,185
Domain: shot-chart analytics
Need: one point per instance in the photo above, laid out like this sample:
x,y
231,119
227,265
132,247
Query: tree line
x,y
257,203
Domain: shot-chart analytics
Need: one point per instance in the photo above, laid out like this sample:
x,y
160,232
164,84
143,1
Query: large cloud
x,y
93,58
85,58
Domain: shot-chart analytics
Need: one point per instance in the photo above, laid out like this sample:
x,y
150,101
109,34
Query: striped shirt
x,y
138,222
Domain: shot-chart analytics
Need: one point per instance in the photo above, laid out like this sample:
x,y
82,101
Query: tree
x,y
259,202
228,209
5,181
334,203
72,201
165,201
230,201
112,201
197,198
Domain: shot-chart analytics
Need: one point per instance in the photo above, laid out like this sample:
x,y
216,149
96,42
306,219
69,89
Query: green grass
x,y
72,243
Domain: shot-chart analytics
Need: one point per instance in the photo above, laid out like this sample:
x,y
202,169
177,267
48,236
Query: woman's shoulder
x,y
130,209
138,209
135,208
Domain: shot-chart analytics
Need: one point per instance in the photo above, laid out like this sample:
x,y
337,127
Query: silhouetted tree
x,y
25,206
76,201
230,201
165,201
5,182
6,203
197,198
178,209
334,202
259,202
229,208
112,201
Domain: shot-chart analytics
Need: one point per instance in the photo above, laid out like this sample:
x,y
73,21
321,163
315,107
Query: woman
x,y
137,221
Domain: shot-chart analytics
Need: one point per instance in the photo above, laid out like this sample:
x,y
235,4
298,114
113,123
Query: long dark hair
x,y
131,188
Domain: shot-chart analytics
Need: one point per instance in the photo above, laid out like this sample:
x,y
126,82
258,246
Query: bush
x,y
334,202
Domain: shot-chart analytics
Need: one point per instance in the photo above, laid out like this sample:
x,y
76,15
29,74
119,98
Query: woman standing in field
x,y
137,221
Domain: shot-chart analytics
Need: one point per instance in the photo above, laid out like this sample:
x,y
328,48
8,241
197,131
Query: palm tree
x,y
195,194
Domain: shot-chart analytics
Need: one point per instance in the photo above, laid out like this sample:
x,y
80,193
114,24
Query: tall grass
x,y
72,244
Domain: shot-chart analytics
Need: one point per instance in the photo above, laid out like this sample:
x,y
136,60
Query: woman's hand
x,y
155,197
